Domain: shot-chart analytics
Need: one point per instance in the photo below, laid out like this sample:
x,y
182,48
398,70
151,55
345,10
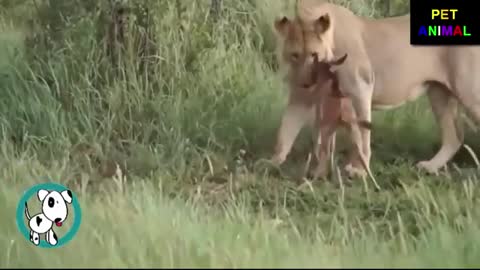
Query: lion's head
x,y
304,40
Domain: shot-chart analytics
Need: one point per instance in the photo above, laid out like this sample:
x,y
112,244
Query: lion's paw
x,y
277,160
320,172
428,167
354,172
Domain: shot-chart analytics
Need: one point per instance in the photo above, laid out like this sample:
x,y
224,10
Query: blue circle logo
x,y
54,201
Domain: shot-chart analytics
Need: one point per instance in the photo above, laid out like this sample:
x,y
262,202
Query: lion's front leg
x,y
360,90
362,107
354,164
294,118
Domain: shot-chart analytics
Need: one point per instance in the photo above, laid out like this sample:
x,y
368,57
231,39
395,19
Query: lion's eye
x,y
295,56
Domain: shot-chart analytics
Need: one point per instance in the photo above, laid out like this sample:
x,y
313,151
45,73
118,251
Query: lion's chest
x,y
306,96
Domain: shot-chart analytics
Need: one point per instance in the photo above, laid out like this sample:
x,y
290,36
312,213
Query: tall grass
x,y
188,134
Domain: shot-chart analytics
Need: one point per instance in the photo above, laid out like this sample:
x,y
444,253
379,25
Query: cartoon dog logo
x,y
54,210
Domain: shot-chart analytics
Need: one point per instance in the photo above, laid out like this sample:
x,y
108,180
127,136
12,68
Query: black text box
x,y
460,24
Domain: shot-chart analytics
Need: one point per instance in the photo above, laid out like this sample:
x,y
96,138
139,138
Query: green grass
x,y
189,141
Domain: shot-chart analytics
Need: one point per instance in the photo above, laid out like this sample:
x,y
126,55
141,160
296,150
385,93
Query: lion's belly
x,y
405,80
402,71
391,97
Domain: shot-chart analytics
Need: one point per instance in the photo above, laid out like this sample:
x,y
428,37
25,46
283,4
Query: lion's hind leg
x,y
445,109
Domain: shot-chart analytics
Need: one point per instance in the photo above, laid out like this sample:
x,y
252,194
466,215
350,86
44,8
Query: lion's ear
x,y
322,24
282,24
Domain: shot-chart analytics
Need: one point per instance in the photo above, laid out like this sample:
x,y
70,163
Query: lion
x,y
331,108
300,109
384,71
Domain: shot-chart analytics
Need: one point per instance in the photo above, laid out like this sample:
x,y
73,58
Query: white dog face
x,y
54,204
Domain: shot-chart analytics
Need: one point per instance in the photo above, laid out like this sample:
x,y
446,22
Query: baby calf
x,y
333,109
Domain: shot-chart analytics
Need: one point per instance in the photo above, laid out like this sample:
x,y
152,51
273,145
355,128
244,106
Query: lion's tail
x,y
27,214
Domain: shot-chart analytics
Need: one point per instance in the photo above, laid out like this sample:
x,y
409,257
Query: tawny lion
x,y
384,71
324,101
332,109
